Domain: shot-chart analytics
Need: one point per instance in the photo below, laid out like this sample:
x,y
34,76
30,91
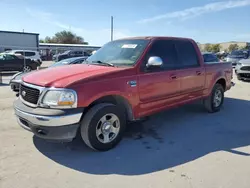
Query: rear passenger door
x,y
192,73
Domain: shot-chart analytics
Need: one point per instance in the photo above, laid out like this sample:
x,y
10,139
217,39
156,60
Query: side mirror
x,y
154,61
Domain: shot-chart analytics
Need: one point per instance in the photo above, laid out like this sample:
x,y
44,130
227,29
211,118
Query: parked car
x,y
242,69
30,54
17,78
10,62
69,54
126,80
210,57
235,56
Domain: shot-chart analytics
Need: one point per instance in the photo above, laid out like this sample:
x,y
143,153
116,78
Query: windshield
x,y
120,52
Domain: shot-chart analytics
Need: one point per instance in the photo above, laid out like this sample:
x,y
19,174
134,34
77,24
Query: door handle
x,y
173,77
198,72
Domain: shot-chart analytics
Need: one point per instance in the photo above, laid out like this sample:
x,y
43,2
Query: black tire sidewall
x,y
93,140
216,87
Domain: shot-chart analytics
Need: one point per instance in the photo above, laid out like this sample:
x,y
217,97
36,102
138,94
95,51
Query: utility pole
x,y
112,27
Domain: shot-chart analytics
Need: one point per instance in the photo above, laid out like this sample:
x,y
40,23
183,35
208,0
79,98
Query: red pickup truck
x,y
125,80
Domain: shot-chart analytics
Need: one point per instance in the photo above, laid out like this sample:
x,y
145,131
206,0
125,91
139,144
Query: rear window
x,y
187,53
210,58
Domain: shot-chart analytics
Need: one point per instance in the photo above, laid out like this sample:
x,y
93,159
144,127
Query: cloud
x,y
196,11
94,37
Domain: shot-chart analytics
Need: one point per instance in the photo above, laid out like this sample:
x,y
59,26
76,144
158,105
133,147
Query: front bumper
x,y
51,124
242,74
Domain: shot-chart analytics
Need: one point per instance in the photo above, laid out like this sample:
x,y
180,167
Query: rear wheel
x,y
214,102
103,126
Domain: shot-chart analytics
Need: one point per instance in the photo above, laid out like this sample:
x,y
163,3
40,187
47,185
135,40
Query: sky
x,y
206,21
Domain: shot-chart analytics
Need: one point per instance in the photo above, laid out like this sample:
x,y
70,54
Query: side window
x,y
9,57
164,49
187,54
28,54
19,52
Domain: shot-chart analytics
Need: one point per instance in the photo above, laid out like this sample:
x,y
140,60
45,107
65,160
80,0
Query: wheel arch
x,y
116,100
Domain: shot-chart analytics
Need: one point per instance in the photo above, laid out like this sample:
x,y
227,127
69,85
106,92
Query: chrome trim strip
x,y
50,121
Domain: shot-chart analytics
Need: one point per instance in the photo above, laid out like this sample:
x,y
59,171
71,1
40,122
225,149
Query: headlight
x,y
61,98
239,64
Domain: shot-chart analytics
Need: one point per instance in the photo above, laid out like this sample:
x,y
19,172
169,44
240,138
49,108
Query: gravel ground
x,y
179,148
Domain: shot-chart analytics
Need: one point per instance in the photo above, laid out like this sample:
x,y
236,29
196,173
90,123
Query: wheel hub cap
x,y
217,98
107,129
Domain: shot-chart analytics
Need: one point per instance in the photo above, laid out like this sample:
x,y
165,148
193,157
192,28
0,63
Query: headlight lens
x,y
239,64
60,98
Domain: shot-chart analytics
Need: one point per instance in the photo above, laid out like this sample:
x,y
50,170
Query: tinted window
x,y
30,54
165,49
187,53
210,58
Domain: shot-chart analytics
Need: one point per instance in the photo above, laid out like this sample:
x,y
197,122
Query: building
x,y
225,45
10,40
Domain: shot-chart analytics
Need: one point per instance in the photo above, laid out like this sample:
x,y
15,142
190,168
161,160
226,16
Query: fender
x,y
219,75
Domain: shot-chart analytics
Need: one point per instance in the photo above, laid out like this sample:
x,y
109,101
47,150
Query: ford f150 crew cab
x,y
125,80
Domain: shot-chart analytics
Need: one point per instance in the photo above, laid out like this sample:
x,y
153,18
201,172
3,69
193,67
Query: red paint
x,y
154,91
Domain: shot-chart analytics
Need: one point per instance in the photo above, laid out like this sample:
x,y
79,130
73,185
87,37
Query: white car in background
x,y
33,55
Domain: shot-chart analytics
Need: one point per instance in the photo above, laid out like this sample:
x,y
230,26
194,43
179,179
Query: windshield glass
x,y
120,52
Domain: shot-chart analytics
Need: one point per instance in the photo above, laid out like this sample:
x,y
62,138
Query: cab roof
x,y
154,37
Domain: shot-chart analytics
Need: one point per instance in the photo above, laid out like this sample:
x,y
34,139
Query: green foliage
x,y
65,37
212,48
233,47
243,47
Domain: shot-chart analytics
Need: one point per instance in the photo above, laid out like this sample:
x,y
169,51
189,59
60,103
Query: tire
x,y
27,68
210,104
95,122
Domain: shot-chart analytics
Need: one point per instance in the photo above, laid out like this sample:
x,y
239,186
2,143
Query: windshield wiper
x,y
104,63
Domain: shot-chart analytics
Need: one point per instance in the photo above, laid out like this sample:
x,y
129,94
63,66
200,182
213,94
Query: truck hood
x,y
65,75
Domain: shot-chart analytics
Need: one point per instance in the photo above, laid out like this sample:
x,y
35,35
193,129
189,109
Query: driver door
x,y
161,86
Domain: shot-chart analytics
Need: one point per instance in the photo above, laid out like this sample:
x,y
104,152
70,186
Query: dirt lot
x,y
181,148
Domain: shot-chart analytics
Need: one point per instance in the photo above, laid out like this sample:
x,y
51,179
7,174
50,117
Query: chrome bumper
x,y
48,121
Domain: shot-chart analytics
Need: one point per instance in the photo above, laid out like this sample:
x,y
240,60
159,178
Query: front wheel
x,y
103,126
214,102
27,69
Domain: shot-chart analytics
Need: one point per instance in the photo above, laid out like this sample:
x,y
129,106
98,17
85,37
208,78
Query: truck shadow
x,y
166,140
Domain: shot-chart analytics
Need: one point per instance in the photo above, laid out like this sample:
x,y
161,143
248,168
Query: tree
x,y
65,37
41,41
243,47
233,47
208,48
215,48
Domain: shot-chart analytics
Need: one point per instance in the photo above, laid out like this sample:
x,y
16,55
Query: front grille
x,y
245,75
247,68
29,94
